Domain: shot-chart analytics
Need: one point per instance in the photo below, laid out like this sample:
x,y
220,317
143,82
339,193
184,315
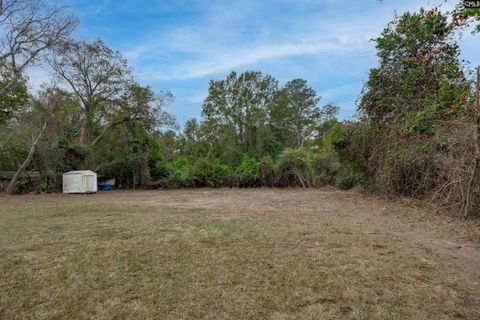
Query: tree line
x,y
414,134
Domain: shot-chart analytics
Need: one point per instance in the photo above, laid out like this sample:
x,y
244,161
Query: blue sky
x,y
180,45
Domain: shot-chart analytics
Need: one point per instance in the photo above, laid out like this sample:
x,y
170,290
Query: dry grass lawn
x,y
233,254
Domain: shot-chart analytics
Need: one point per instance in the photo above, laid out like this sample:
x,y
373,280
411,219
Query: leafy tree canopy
x,y
419,74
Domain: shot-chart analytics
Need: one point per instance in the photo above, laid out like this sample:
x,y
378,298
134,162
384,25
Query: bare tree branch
x,y
29,27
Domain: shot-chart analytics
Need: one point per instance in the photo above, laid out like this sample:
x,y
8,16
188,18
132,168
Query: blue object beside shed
x,y
105,183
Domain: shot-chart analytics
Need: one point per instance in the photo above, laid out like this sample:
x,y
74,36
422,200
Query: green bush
x,y
293,169
247,172
221,176
161,169
205,173
200,172
267,171
325,168
11,153
337,138
178,173
349,177
46,185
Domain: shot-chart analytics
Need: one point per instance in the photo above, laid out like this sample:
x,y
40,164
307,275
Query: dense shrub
x,y
221,176
177,174
267,171
12,152
205,173
343,158
247,173
325,167
200,172
293,169
46,184
349,177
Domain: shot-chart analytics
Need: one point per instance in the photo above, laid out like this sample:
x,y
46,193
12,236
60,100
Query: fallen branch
x,y
11,186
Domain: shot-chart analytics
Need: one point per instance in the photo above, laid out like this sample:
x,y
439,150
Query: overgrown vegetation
x,y
412,137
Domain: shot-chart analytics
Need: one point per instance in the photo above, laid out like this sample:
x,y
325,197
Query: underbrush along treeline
x,y
413,134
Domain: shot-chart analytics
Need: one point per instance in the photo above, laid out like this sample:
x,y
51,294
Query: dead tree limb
x,y
11,186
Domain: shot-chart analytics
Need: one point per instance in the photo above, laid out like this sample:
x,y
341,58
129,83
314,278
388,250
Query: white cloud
x,y
230,58
216,45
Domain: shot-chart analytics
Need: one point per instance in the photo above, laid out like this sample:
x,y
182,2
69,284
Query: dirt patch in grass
x,y
233,254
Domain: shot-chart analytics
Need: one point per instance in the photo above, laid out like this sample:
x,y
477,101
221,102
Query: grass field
x,y
233,254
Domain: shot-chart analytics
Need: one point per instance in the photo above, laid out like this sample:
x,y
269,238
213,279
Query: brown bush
x,y
437,167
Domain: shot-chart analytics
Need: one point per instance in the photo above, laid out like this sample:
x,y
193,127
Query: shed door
x,y
90,183
71,184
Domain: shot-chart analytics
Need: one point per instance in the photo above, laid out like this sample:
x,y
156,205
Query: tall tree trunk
x,y
85,133
84,130
11,186
241,134
86,126
298,130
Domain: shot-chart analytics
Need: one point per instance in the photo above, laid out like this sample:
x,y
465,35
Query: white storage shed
x,y
83,181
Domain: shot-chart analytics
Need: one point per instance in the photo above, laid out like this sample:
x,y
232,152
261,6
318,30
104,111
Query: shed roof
x,y
81,172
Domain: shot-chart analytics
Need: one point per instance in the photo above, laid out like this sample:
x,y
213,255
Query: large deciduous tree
x,y
98,75
419,75
139,104
241,102
28,28
296,108
109,97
